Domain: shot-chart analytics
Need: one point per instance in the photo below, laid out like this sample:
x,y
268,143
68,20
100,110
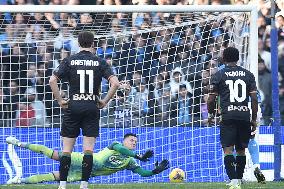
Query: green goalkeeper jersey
x,y
109,161
106,162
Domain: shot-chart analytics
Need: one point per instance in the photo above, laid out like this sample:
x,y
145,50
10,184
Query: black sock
x,y
229,161
65,162
87,165
241,163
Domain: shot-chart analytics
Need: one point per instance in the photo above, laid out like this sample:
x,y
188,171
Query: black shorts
x,y
81,115
235,133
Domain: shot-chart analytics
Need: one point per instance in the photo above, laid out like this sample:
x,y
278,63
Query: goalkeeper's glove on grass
x,y
160,167
145,157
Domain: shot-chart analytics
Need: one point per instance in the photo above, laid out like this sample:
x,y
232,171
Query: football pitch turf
x,y
254,185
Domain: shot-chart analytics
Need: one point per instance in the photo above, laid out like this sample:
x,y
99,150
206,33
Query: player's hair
x,y
129,134
86,39
231,54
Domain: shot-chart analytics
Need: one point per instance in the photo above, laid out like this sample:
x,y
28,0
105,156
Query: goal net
x,y
164,59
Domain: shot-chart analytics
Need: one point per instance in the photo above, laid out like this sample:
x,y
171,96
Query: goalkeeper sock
x,y
87,165
254,151
38,178
229,161
241,163
40,149
64,166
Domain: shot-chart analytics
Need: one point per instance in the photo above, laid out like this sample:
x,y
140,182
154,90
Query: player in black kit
x,y
234,85
84,72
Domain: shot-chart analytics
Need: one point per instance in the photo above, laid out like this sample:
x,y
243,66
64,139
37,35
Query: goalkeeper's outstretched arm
x,y
159,167
125,151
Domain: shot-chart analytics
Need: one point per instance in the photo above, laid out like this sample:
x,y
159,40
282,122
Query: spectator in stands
x,y
41,80
165,108
105,50
164,72
37,106
159,86
31,75
26,114
162,64
66,40
182,60
281,102
123,112
265,84
184,106
86,22
265,55
13,98
204,110
177,79
143,58
19,26
141,98
14,65
280,23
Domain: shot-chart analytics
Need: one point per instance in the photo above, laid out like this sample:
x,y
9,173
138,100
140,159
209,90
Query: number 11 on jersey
x,y
83,74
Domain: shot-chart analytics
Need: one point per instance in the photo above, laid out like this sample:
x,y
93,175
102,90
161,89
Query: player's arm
x,y
113,81
125,151
55,89
254,105
114,84
213,93
60,72
254,102
159,167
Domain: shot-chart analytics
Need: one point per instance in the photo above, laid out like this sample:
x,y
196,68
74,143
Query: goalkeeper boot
x,y
259,175
61,187
13,140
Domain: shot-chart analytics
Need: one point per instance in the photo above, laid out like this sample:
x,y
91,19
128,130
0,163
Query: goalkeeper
x,y
111,159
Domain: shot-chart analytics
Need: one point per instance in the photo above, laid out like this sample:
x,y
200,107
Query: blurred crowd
x,y
164,71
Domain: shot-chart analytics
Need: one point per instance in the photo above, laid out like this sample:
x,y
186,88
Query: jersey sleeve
x,y
62,70
112,145
252,84
214,83
132,165
106,70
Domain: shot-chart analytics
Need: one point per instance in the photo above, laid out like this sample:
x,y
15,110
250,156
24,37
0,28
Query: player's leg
x,y
244,134
50,153
54,176
90,130
228,134
254,153
70,131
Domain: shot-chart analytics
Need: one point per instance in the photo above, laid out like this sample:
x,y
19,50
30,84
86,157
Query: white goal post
x,y
192,145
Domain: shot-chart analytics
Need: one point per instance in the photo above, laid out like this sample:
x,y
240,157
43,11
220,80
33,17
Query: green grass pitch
x,y
254,185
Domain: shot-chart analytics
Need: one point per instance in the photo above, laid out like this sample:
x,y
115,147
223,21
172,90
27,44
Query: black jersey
x,y
83,71
233,84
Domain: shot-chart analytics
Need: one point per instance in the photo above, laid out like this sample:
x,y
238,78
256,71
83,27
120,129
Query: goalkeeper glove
x,y
145,157
160,167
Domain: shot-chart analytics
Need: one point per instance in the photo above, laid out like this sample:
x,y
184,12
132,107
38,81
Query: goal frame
x,y
252,9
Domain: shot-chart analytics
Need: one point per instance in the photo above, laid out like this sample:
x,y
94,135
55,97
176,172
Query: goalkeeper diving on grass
x,y
114,158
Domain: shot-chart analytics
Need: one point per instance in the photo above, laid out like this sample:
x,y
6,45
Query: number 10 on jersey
x,y
234,90
83,74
